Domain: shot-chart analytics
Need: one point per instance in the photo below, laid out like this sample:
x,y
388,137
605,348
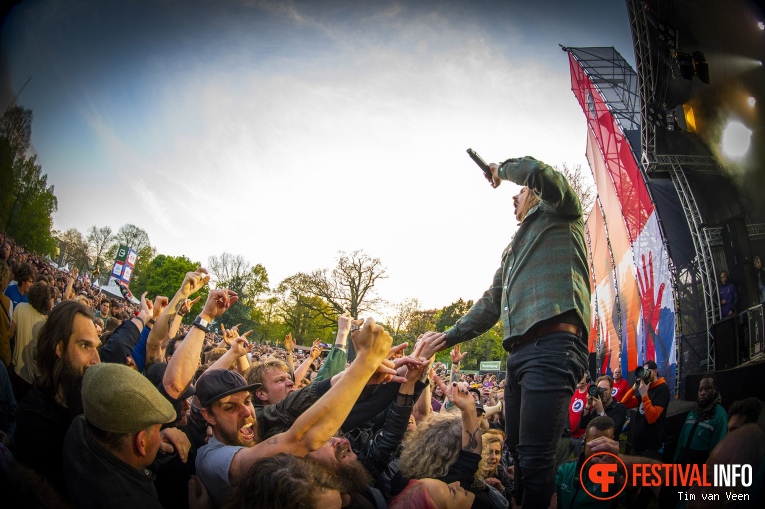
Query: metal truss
x,y
754,231
701,244
651,90
617,83
645,76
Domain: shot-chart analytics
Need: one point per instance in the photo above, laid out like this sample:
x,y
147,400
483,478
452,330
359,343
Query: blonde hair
x,y
255,374
532,199
488,439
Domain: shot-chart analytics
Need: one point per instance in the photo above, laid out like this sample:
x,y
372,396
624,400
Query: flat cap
x,y
118,399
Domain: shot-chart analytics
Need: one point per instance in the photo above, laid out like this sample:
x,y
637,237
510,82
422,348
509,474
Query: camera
x,y
643,374
595,391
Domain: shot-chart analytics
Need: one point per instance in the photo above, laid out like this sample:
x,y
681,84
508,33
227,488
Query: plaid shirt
x,y
544,270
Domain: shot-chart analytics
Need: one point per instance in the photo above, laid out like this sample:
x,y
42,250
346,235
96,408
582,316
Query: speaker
x,y
738,256
755,333
735,239
725,333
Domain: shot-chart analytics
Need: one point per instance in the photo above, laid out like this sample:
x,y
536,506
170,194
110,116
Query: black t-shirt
x,y
41,425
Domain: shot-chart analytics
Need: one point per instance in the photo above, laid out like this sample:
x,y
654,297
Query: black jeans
x,y
541,377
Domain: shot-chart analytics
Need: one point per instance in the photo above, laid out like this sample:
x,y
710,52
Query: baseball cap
x,y
118,399
218,383
479,407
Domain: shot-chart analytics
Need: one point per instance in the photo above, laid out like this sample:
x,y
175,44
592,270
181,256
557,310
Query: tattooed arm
x,y
321,420
471,432
167,323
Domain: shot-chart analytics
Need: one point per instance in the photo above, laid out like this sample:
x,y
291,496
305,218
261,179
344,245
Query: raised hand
x,y
432,342
218,302
459,394
289,343
495,180
160,303
194,281
315,349
456,355
186,306
344,324
240,346
371,340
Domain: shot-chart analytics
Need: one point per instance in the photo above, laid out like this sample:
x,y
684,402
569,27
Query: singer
x,y
541,292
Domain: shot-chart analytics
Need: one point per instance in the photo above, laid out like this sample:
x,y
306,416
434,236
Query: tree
x,y
99,240
16,128
347,287
448,315
132,236
582,184
144,258
73,250
237,274
398,323
306,316
164,275
27,203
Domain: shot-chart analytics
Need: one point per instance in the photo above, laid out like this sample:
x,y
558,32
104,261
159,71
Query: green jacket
x,y
544,270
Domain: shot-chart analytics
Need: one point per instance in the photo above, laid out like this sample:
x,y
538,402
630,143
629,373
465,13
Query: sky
x,y
287,132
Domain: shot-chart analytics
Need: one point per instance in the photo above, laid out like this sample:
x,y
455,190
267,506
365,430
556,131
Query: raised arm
x,y
68,294
320,422
338,356
289,346
313,355
551,186
183,363
459,394
192,282
238,349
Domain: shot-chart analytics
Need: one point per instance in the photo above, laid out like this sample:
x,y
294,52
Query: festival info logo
x,y
604,476
602,469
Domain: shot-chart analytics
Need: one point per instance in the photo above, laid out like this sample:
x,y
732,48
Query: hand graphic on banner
x,y
651,309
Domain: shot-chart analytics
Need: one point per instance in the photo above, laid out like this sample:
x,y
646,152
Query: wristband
x,y
201,324
143,324
151,321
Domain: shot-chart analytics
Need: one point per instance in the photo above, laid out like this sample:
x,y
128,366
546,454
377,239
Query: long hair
x,y
282,481
56,330
488,439
433,447
532,199
414,496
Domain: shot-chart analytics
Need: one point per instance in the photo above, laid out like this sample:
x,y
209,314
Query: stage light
x,y
751,101
761,25
736,138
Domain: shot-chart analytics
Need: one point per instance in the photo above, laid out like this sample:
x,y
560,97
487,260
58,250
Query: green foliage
x,y
143,262
73,250
486,347
448,315
27,202
164,275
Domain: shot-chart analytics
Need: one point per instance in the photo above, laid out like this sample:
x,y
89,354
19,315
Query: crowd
x,y
104,403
